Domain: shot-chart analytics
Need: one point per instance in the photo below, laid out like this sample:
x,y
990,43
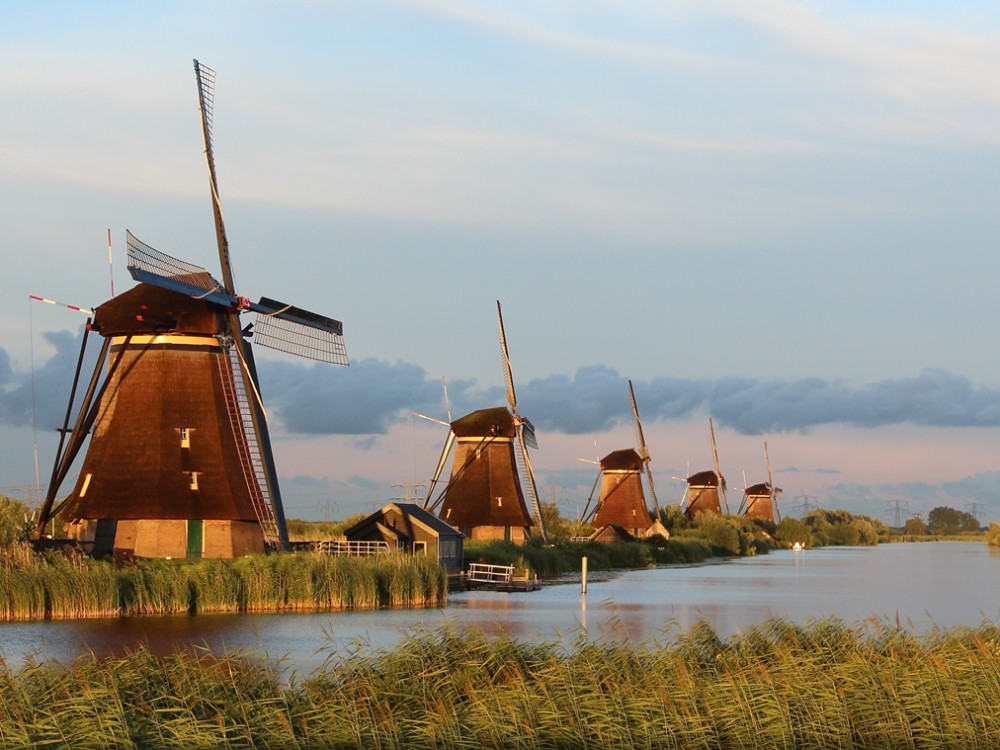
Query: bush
x,y
993,534
14,521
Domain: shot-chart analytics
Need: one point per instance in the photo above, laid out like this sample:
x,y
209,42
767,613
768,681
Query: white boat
x,y
798,546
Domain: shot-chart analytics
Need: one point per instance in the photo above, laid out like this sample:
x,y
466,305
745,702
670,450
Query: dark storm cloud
x,y
365,398
935,398
371,395
47,389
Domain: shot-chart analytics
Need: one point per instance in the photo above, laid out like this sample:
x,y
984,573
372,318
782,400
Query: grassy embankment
x,y
818,686
690,541
35,588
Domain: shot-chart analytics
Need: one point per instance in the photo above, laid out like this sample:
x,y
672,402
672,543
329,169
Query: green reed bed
x,y
822,685
56,587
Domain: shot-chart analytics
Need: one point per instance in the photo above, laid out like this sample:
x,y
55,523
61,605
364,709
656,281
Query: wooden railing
x,y
353,549
483,573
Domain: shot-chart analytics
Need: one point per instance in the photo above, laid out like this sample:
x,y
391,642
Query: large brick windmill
x,y
622,500
492,483
706,490
761,500
179,462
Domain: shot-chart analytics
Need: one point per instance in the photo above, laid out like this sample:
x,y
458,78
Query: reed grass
x,y
35,588
779,685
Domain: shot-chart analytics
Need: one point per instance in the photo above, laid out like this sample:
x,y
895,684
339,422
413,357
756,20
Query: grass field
x,y
54,587
822,685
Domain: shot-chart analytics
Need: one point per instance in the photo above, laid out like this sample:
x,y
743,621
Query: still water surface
x,y
922,586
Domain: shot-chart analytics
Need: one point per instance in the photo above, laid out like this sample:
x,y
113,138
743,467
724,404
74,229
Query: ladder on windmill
x,y
524,476
251,459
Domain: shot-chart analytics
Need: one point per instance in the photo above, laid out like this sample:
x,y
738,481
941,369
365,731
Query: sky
x,y
778,215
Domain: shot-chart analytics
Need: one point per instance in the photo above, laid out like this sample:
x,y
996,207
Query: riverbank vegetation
x,y
54,586
690,541
778,685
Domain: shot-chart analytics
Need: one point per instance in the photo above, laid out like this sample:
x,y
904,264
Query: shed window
x,y
420,548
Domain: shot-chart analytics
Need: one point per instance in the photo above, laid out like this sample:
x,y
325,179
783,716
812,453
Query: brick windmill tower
x,y
706,490
179,462
761,500
492,484
622,499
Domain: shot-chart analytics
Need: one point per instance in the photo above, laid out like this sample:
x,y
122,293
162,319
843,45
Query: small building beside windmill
x,y
410,529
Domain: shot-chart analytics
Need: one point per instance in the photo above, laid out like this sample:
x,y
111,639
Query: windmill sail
x,y
278,326
643,450
525,436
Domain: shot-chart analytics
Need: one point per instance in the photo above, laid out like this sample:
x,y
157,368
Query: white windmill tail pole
x,y
31,334
111,265
83,310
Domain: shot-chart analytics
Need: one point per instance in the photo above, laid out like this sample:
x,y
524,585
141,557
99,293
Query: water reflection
x,y
919,585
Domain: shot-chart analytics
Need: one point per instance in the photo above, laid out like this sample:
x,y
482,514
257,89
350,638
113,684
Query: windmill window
x,y
499,501
185,437
193,479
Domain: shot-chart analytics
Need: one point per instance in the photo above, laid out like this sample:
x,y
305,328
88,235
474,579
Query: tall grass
x,y
33,588
780,685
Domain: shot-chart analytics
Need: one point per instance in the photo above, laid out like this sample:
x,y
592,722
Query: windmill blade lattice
x,y
300,332
279,326
149,265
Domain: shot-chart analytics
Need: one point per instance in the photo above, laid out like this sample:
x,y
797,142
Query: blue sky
x,y
778,214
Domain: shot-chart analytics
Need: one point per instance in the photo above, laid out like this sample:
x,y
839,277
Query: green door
x,y
196,537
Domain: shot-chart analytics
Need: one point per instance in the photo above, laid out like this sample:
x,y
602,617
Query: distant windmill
x,y
492,484
622,501
761,500
180,460
706,490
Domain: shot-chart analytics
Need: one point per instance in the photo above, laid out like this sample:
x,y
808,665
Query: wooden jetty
x,y
499,577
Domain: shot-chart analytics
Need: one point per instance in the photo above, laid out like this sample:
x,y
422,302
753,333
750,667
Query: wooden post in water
x,y
583,575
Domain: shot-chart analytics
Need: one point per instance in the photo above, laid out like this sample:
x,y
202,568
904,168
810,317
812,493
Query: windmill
x,y
622,501
492,483
179,462
761,500
706,490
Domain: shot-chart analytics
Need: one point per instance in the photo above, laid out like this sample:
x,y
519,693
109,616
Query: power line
x,y
897,506
975,509
803,504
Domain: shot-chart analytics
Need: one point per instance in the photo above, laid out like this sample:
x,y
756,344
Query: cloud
x,y
41,397
372,395
797,470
